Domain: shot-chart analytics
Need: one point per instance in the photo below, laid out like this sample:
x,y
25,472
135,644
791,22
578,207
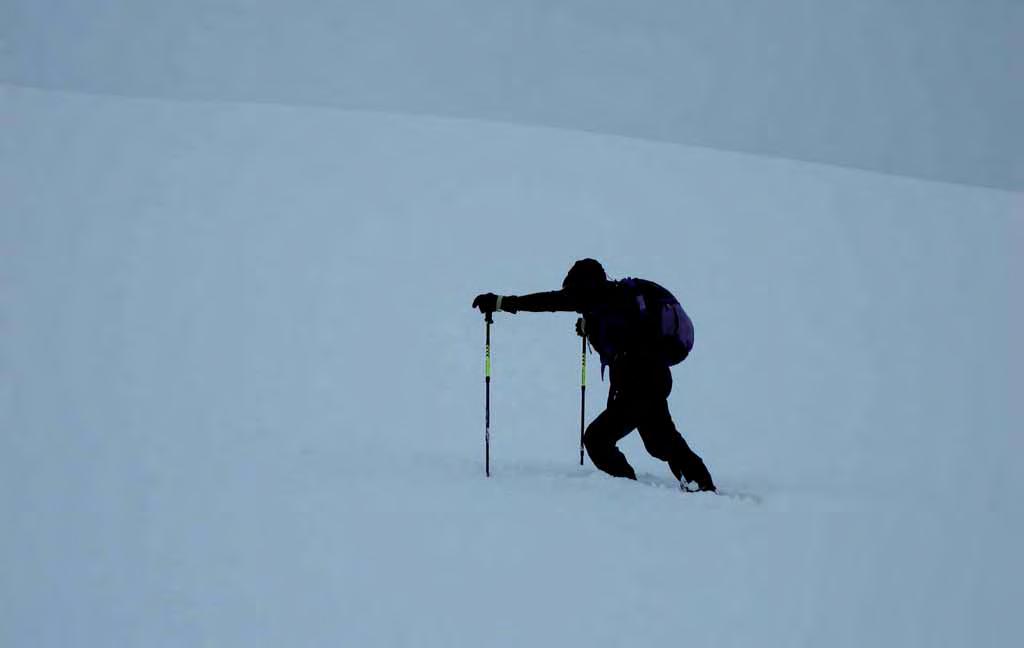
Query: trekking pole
x,y
583,395
487,397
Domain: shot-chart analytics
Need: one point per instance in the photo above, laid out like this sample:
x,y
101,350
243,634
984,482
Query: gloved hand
x,y
487,302
581,327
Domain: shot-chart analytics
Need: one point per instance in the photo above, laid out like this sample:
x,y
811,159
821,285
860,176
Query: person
x,y
639,330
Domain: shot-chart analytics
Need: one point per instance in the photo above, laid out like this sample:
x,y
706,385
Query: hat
x,y
584,273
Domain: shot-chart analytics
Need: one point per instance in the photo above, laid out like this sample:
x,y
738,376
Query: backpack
x,y
657,324
662,320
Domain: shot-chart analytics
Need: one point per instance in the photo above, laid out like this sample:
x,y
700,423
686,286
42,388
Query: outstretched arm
x,y
552,301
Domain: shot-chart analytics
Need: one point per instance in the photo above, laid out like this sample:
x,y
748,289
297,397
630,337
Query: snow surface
x,y
241,389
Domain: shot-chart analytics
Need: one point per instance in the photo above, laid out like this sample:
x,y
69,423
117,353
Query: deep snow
x,y
241,397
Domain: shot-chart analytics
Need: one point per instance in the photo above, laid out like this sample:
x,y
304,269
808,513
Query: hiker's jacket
x,y
627,316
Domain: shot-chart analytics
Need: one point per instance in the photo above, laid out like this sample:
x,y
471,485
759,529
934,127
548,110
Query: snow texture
x,y
241,389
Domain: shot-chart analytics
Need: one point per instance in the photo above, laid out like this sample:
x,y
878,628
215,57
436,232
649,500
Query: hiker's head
x,y
586,278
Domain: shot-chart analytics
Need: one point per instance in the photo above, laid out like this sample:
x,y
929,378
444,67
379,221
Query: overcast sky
x,y
928,88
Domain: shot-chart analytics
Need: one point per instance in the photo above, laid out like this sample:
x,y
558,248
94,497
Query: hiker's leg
x,y
602,434
648,403
663,441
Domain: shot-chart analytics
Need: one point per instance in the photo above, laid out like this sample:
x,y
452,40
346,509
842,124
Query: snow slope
x,y
241,397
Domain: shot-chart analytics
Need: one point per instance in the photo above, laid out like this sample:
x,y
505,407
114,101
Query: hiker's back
x,y
640,316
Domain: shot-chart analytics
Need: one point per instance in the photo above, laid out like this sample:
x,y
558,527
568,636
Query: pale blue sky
x,y
922,88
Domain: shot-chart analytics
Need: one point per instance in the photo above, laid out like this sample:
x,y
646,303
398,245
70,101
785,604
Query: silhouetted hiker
x,y
640,330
